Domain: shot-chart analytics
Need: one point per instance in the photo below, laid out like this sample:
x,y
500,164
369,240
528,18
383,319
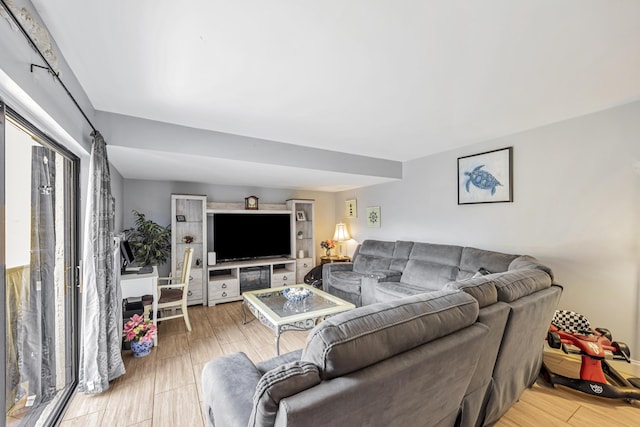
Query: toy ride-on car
x,y
572,333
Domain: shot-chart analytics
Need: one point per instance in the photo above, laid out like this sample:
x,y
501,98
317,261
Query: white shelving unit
x,y
225,279
303,239
191,208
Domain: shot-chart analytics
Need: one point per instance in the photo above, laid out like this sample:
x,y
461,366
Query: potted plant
x,y
151,242
140,333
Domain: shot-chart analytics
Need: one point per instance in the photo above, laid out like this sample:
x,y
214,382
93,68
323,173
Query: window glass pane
x,y
39,276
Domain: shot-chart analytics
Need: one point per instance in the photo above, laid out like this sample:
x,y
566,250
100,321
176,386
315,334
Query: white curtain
x,y
100,337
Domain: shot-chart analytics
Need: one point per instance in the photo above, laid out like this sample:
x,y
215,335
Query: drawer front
x,y
289,276
287,280
195,292
224,289
303,266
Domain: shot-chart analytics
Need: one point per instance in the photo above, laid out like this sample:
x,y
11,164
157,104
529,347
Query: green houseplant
x,y
150,241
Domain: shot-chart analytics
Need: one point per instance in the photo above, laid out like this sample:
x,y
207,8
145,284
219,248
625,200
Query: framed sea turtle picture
x,y
486,177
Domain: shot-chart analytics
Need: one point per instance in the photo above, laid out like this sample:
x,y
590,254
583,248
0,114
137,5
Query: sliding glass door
x,y
39,276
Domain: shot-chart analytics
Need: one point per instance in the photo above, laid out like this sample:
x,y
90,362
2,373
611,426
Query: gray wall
x,y
153,198
576,207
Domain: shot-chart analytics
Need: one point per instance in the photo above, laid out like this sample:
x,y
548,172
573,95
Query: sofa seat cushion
x,y
389,291
359,338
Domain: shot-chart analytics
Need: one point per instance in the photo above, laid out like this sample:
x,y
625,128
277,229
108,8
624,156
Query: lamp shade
x,y
341,234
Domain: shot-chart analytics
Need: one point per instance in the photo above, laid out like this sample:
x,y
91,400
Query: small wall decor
x,y
300,216
180,218
351,210
188,239
486,177
373,216
251,203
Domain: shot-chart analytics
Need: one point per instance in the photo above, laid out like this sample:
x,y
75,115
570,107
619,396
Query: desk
x,y
136,285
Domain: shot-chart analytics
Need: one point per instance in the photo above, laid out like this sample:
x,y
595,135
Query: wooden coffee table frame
x,y
296,322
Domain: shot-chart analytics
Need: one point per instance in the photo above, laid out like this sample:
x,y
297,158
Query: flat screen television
x,y
240,236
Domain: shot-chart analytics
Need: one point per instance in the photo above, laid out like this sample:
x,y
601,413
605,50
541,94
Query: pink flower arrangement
x,y
328,244
138,329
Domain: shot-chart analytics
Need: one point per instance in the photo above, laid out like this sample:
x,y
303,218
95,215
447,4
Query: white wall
x,y
576,208
153,198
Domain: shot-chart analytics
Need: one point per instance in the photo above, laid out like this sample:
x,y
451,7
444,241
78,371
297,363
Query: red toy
x,y
572,333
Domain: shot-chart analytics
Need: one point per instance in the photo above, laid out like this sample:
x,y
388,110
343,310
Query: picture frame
x,y
300,216
181,218
373,216
486,177
351,209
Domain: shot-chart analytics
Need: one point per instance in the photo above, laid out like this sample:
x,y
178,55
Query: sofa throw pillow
x,y
278,383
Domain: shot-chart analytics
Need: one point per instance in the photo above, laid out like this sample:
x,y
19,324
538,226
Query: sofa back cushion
x,y
401,255
482,288
362,337
283,381
516,284
527,262
474,259
373,255
431,266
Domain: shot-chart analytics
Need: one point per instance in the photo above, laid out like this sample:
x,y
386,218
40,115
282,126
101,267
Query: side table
x,y
333,259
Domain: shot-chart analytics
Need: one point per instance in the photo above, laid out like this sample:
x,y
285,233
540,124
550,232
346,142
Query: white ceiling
x,y
395,80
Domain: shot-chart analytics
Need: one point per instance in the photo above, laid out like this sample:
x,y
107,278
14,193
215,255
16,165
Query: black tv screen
x,y
238,236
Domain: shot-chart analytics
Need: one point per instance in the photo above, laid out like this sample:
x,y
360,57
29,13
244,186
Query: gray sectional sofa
x,y
383,271
431,352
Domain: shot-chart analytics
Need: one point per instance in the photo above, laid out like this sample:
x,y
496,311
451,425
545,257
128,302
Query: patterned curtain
x,y
36,348
100,338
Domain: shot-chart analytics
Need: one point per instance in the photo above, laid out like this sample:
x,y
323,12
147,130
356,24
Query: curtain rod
x,y
49,68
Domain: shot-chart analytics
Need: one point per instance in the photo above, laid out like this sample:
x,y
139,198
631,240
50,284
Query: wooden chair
x,y
174,294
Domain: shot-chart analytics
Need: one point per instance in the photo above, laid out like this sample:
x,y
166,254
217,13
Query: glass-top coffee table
x,y
273,310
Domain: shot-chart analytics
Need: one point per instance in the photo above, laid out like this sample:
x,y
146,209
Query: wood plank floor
x,y
163,389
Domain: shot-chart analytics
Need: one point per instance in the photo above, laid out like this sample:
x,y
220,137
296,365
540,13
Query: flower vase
x,y
328,252
141,349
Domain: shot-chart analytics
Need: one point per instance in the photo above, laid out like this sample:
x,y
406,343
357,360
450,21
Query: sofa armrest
x,y
328,268
370,282
228,385
386,275
274,362
338,266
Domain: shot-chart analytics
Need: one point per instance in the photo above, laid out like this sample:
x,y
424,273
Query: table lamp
x,y
341,235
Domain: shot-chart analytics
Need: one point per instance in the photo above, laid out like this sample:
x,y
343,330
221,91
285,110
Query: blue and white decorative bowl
x,y
296,294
